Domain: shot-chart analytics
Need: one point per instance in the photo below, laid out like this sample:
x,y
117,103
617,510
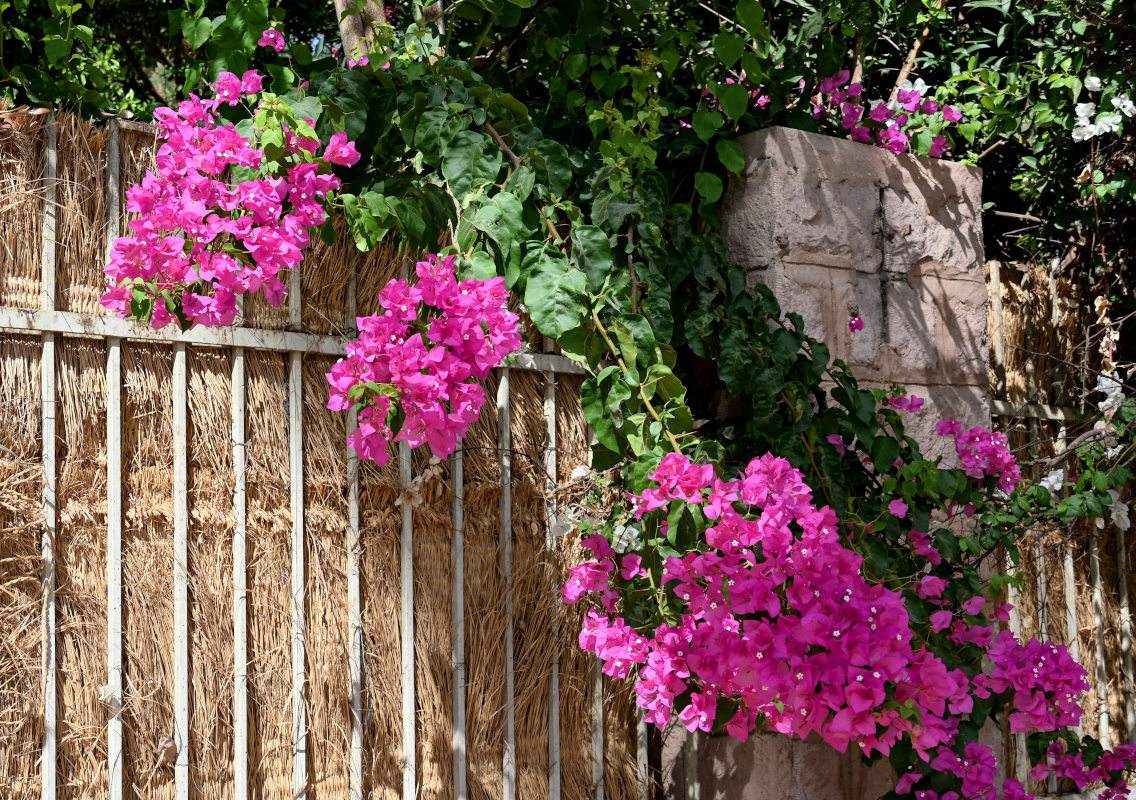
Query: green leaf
x,y
469,162
576,65
708,185
436,128
501,219
248,19
557,165
197,31
706,124
885,450
479,265
728,47
591,251
731,155
734,99
752,18
555,293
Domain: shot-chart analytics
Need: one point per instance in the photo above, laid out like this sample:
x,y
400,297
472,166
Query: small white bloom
x,y
561,526
1053,481
1118,511
1124,105
579,473
1113,452
1093,83
1085,112
625,537
1083,133
1109,383
918,86
1107,123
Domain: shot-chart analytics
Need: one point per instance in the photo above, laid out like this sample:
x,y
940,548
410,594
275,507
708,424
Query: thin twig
x,y
909,64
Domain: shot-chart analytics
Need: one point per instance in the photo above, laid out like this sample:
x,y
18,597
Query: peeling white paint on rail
x,y
1126,633
1103,732
406,567
457,620
354,601
550,546
47,430
71,323
240,581
505,444
114,498
296,480
114,569
181,578
1072,635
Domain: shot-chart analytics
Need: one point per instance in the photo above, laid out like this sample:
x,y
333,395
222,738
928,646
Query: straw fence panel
x,y
543,629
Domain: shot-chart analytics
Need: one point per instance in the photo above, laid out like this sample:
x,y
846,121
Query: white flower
x,y
1113,452
624,538
579,473
563,524
918,86
1124,105
1118,511
1053,481
1093,83
1113,393
1108,123
1082,133
1085,112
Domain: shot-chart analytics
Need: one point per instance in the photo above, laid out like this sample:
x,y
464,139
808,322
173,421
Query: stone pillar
x,y
839,229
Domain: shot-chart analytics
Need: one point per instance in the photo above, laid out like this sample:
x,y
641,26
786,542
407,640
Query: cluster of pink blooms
x,y
894,118
1108,770
905,402
200,240
983,453
771,613
775,615
424,352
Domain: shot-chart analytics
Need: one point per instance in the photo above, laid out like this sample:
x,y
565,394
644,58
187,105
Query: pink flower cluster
x,y
200,240
774,616
423,354
1108,770
905,402
892,121
1045,680
983,453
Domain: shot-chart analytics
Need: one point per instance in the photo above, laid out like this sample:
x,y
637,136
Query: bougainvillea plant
x,y
413,372
737,592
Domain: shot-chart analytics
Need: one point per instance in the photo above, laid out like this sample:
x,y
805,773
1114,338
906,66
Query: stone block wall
x,y
839,229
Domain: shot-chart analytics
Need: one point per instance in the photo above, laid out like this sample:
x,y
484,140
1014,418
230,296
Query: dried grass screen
x,y
542,629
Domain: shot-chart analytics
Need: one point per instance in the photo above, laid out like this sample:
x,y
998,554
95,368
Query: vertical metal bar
x,y
1126,634
1103,732
296,476
114,493
181,578
504,443
47,400
406,558
595,677
1021,756
457,617
1072,634
354,601
114,567
642,744
240,581
550,546
999,330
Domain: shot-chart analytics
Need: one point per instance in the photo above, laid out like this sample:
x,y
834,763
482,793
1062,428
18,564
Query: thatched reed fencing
x,y
204,595
1076,579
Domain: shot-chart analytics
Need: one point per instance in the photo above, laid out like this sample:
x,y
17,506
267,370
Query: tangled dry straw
x,y
543,630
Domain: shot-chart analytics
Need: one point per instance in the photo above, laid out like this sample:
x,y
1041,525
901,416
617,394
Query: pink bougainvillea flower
x,y
273,39
341,151
951,114
855,324
898,508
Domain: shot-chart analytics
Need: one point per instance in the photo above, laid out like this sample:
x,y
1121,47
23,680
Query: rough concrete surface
x,y
839,229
